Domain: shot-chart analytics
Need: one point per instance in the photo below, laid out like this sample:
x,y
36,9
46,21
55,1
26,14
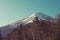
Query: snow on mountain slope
x,y
8,28
31,18
44,16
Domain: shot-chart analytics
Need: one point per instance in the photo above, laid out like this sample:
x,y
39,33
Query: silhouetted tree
x,y
0,35
20,25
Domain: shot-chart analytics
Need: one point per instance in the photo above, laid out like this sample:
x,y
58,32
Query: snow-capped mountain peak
x,y
8,28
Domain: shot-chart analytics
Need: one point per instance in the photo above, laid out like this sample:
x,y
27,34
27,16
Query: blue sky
x,y
12,10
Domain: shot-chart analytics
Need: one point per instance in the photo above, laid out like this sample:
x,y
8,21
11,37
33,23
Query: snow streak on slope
x,y
8,28
31,18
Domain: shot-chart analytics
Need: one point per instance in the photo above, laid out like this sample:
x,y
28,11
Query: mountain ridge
x,y
24,21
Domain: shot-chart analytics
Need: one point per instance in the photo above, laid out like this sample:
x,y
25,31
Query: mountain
x,y
8,28
30,18
35,22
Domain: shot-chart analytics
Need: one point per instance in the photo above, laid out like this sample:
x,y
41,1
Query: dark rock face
x,y
38,30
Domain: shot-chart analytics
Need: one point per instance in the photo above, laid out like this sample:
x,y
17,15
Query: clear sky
x,y
12,10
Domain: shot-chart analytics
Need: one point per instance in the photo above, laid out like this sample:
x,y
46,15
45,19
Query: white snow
x,y
7,29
